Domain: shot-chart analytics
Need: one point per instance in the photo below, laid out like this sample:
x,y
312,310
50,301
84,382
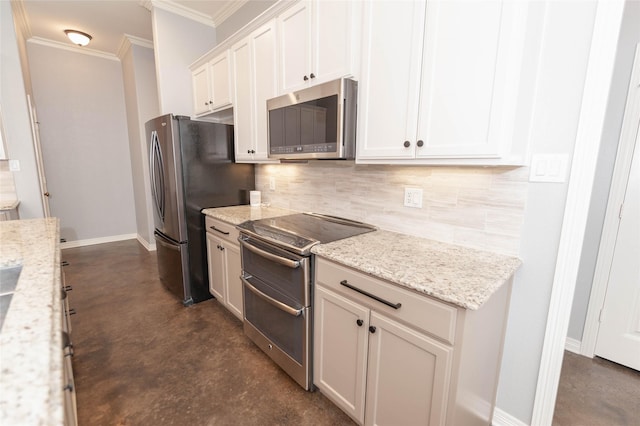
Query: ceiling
x,y
107,21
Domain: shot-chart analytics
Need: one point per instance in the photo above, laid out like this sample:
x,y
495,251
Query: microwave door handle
x,y
278,304
293,264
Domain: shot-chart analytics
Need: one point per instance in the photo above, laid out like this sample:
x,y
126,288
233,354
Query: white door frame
x,y
594,105
612,216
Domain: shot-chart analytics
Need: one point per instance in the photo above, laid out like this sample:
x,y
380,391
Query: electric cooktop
x,y
301,231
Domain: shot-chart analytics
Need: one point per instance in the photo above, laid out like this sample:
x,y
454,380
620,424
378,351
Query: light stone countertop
x,y
235,215
463,276
31,339
459,275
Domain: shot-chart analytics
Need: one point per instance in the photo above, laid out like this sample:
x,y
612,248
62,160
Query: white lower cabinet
x,y
223,256
362,355
389,356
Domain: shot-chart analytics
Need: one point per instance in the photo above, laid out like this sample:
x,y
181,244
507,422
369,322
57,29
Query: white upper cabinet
x,y
440,82
254,64
212,85
318,42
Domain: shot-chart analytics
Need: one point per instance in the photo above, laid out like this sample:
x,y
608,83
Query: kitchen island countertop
x,y
31,335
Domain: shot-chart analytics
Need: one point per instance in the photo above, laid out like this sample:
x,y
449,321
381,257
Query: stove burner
x,y
301,231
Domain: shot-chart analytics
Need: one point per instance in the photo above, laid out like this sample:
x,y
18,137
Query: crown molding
x,y
178,9
76,49
229,9
128,40
21,19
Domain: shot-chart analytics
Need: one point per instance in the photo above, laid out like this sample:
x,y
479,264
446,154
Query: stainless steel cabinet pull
x,y
278,304
293,264
373,296
219,230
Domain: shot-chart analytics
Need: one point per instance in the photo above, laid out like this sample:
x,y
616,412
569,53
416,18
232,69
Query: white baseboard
x,y
93,241
146,244
502,418
573,345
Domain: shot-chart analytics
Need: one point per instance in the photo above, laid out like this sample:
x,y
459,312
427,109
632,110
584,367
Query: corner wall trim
x,y
597,85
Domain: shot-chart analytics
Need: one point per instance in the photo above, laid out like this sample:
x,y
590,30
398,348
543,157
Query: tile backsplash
x,y
480,207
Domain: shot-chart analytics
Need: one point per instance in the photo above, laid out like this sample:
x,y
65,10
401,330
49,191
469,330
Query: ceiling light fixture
x,y
78,37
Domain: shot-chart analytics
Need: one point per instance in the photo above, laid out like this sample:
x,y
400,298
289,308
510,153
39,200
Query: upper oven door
x,y
286,273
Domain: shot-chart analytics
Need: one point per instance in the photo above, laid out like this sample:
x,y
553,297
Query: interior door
x,y
619,332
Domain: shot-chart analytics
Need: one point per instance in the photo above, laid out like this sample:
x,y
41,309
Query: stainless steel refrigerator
x,y
192,167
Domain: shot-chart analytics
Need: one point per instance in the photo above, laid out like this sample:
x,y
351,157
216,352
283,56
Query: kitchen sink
x,y
8,280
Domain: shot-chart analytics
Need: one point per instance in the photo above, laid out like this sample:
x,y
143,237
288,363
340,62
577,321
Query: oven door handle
x,y
293,264
278,304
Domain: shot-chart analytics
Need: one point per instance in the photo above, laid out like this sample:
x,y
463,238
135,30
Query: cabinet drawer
x,y
222,229
417,311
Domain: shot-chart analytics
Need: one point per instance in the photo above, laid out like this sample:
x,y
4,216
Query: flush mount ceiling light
x,y
78,37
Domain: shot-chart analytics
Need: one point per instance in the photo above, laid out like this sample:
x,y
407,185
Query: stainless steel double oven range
x,y
277,276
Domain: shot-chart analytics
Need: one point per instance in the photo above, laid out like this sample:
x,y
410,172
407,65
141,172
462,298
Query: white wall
x,y
84,140
141,97
629,37
15,114
178,42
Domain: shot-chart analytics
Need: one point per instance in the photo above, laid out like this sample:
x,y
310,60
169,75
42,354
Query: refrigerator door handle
x,y
157,174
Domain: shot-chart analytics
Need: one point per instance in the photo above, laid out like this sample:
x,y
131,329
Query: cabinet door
x,y
233,268
390,82
335,37
408,376
220,81
265,83
295,47
340,350
243,102
201,95
471,63
216,267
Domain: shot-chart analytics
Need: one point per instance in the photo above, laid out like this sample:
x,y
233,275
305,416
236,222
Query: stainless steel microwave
x,y
318,122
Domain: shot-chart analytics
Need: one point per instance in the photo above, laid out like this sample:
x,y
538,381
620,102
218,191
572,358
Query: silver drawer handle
x,y
293,264
278,304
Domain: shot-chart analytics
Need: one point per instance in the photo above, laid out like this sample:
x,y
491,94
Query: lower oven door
x,y
279,326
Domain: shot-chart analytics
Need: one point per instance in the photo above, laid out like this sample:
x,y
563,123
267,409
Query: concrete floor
x,y
141,358
597,392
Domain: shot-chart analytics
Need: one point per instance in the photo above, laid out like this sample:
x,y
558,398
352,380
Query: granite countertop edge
x,y
31,336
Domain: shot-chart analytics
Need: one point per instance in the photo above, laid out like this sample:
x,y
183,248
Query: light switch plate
x,y
272,183
549,168
413,197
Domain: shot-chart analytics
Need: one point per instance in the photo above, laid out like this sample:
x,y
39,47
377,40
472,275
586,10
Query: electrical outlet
x,y
272,183
14,165
413,197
